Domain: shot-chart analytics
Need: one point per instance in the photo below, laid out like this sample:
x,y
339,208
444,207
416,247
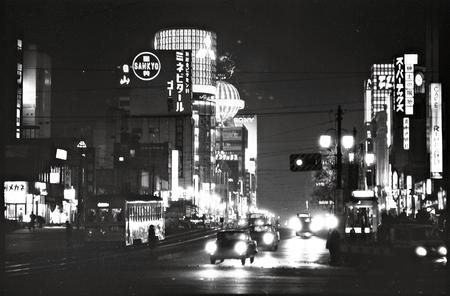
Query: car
x,y
414,241
303,228
232,244
266,236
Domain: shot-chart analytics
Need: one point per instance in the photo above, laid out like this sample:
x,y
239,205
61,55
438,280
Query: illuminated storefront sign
x,y
410,61
436,157
406,133
15,192
399,91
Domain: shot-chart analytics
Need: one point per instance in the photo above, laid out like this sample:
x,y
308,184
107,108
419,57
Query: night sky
x,y
296,60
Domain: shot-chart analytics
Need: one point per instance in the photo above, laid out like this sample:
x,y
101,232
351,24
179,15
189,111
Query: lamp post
x,y
347,141
80,208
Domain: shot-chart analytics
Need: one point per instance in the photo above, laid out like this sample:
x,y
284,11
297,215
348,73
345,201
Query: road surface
x,y
300,266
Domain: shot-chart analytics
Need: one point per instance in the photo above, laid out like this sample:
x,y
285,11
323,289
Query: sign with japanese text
x,y
160,82
15,191
180,86
436,157
410,60
406,133
383,82
399,90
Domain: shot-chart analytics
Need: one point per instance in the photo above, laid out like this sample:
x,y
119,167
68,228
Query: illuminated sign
x,y
146,66
163,84
182,82
406,133
384,82
222,155
436,157
15,192
399,90
410,61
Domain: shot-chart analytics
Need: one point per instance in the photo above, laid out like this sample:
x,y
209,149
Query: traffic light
x,y
305,162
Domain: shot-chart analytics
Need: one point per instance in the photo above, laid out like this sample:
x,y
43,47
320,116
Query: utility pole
x,y
339,196
339,151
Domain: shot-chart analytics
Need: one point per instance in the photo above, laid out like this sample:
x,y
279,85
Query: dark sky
x,y
297,61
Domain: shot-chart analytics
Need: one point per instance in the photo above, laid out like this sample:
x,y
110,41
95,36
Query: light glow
x,y
240,247
211,247
295,224
442,251
347,142
325,141
421,251
268,238
370,158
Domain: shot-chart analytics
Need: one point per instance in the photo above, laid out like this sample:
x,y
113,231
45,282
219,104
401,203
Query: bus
x,y
123,219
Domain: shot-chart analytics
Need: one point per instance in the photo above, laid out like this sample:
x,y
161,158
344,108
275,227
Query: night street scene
x,y
187,147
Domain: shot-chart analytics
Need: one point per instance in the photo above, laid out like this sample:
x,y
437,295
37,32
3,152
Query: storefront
x,y
23,198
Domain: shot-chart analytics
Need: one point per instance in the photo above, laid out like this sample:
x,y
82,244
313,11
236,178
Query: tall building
x,y
202,44
36,101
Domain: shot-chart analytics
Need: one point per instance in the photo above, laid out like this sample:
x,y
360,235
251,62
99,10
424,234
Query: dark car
x,y
416,241
266,236
232,244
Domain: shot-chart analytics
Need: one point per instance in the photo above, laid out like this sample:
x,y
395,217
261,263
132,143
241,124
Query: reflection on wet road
x,y
293,252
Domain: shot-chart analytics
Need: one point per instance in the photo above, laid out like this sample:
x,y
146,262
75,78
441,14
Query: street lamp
x,y
347,142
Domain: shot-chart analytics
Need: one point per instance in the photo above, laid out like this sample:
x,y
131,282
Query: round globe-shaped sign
x,y
146,66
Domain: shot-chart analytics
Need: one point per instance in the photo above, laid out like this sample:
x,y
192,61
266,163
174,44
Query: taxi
x,y
232,244
266,236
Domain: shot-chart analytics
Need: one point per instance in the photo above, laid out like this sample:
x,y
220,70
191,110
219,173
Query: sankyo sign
x,y
146,66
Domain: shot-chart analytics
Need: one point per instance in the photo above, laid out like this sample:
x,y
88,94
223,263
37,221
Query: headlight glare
x,y
295,224
240,247
421,251
268,238
331,221
442,251
317,224
211,247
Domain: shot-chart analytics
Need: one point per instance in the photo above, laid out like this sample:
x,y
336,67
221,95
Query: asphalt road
x,y
300,266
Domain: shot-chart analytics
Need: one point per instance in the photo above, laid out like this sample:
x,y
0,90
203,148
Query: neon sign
x,y
146,66
436,157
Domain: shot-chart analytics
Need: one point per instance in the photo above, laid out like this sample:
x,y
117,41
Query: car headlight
x,y
211,247
442,251
295,224
240,247
317,224
268,238
421,251
331,221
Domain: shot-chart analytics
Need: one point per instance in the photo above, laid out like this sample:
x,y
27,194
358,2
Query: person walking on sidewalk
x,y
333,245
152,239
68,234
32,220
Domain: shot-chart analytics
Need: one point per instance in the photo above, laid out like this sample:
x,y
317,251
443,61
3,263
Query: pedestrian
x,y
32,220
333,245
68,234
152,239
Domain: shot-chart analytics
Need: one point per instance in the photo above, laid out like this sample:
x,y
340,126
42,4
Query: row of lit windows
x,y
145,212
382,69
184,42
